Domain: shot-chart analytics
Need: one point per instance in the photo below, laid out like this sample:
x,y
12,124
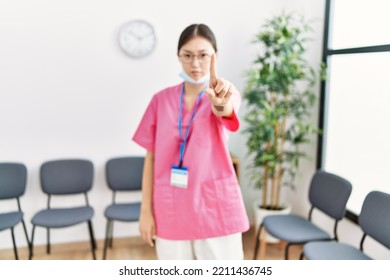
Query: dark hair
x,y
194,30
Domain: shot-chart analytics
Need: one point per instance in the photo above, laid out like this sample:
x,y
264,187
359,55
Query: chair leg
x,y
93,236
286,251
257,244
111,233
48,247
14,243
108,226
93,242
301,255
26,234
31,243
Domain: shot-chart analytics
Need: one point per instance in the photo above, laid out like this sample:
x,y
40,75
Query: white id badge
x,y
179,176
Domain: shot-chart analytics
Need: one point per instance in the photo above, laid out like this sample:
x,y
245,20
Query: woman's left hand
x,y
219,91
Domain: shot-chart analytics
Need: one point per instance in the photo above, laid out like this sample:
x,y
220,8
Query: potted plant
x,y
280,94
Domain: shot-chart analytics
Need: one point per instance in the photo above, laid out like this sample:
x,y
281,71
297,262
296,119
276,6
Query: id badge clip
x,y
179,176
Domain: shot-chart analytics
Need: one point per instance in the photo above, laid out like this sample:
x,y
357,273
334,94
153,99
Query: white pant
x,y
227,247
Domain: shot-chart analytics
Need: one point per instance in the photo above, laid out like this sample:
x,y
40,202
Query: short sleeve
x,y
145,134
233,123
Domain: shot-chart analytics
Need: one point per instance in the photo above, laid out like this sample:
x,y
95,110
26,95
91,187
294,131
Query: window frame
x,y
327,53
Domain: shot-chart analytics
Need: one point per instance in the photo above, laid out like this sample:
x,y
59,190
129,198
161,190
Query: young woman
x,y
191,199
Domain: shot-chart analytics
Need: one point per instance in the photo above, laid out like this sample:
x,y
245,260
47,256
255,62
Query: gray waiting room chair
x,y
13,180
328,193
374,220
123,174
63,178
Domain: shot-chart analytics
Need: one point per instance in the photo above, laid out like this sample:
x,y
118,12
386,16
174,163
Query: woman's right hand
x,y
147,227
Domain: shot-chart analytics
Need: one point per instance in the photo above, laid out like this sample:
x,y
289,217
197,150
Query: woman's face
x,y
195,57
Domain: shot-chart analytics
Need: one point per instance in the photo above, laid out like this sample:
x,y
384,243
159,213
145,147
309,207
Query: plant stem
x,y
265,183
273,187
274,176
281,154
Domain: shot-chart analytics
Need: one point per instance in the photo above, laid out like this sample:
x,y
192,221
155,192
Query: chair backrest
x,y
330,193
68,176
374,217
125,173
13,180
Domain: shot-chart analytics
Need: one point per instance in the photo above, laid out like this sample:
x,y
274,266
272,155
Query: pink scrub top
x,y
212,203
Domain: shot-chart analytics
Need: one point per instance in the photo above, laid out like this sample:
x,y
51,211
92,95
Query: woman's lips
x,y
196,74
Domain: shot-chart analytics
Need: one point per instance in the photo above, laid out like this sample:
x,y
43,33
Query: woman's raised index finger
x,y
213,71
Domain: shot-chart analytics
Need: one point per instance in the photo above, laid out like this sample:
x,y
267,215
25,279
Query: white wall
x,y
68,91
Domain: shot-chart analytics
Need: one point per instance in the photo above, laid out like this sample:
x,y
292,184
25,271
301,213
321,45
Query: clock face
x,y
137,38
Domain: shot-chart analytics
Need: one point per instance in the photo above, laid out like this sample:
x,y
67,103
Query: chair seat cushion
x,y
293,229
62,217
9,220
331,250
126,212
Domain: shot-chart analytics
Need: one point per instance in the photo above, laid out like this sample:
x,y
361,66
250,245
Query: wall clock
x,y
137,38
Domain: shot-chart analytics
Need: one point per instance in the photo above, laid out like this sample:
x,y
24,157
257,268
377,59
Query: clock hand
x,y
145,36
135,35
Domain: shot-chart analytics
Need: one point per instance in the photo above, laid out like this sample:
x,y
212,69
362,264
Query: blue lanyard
x,y
183,141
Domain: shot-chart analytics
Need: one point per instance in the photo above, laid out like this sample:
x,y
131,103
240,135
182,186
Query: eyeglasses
x,y
189,58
